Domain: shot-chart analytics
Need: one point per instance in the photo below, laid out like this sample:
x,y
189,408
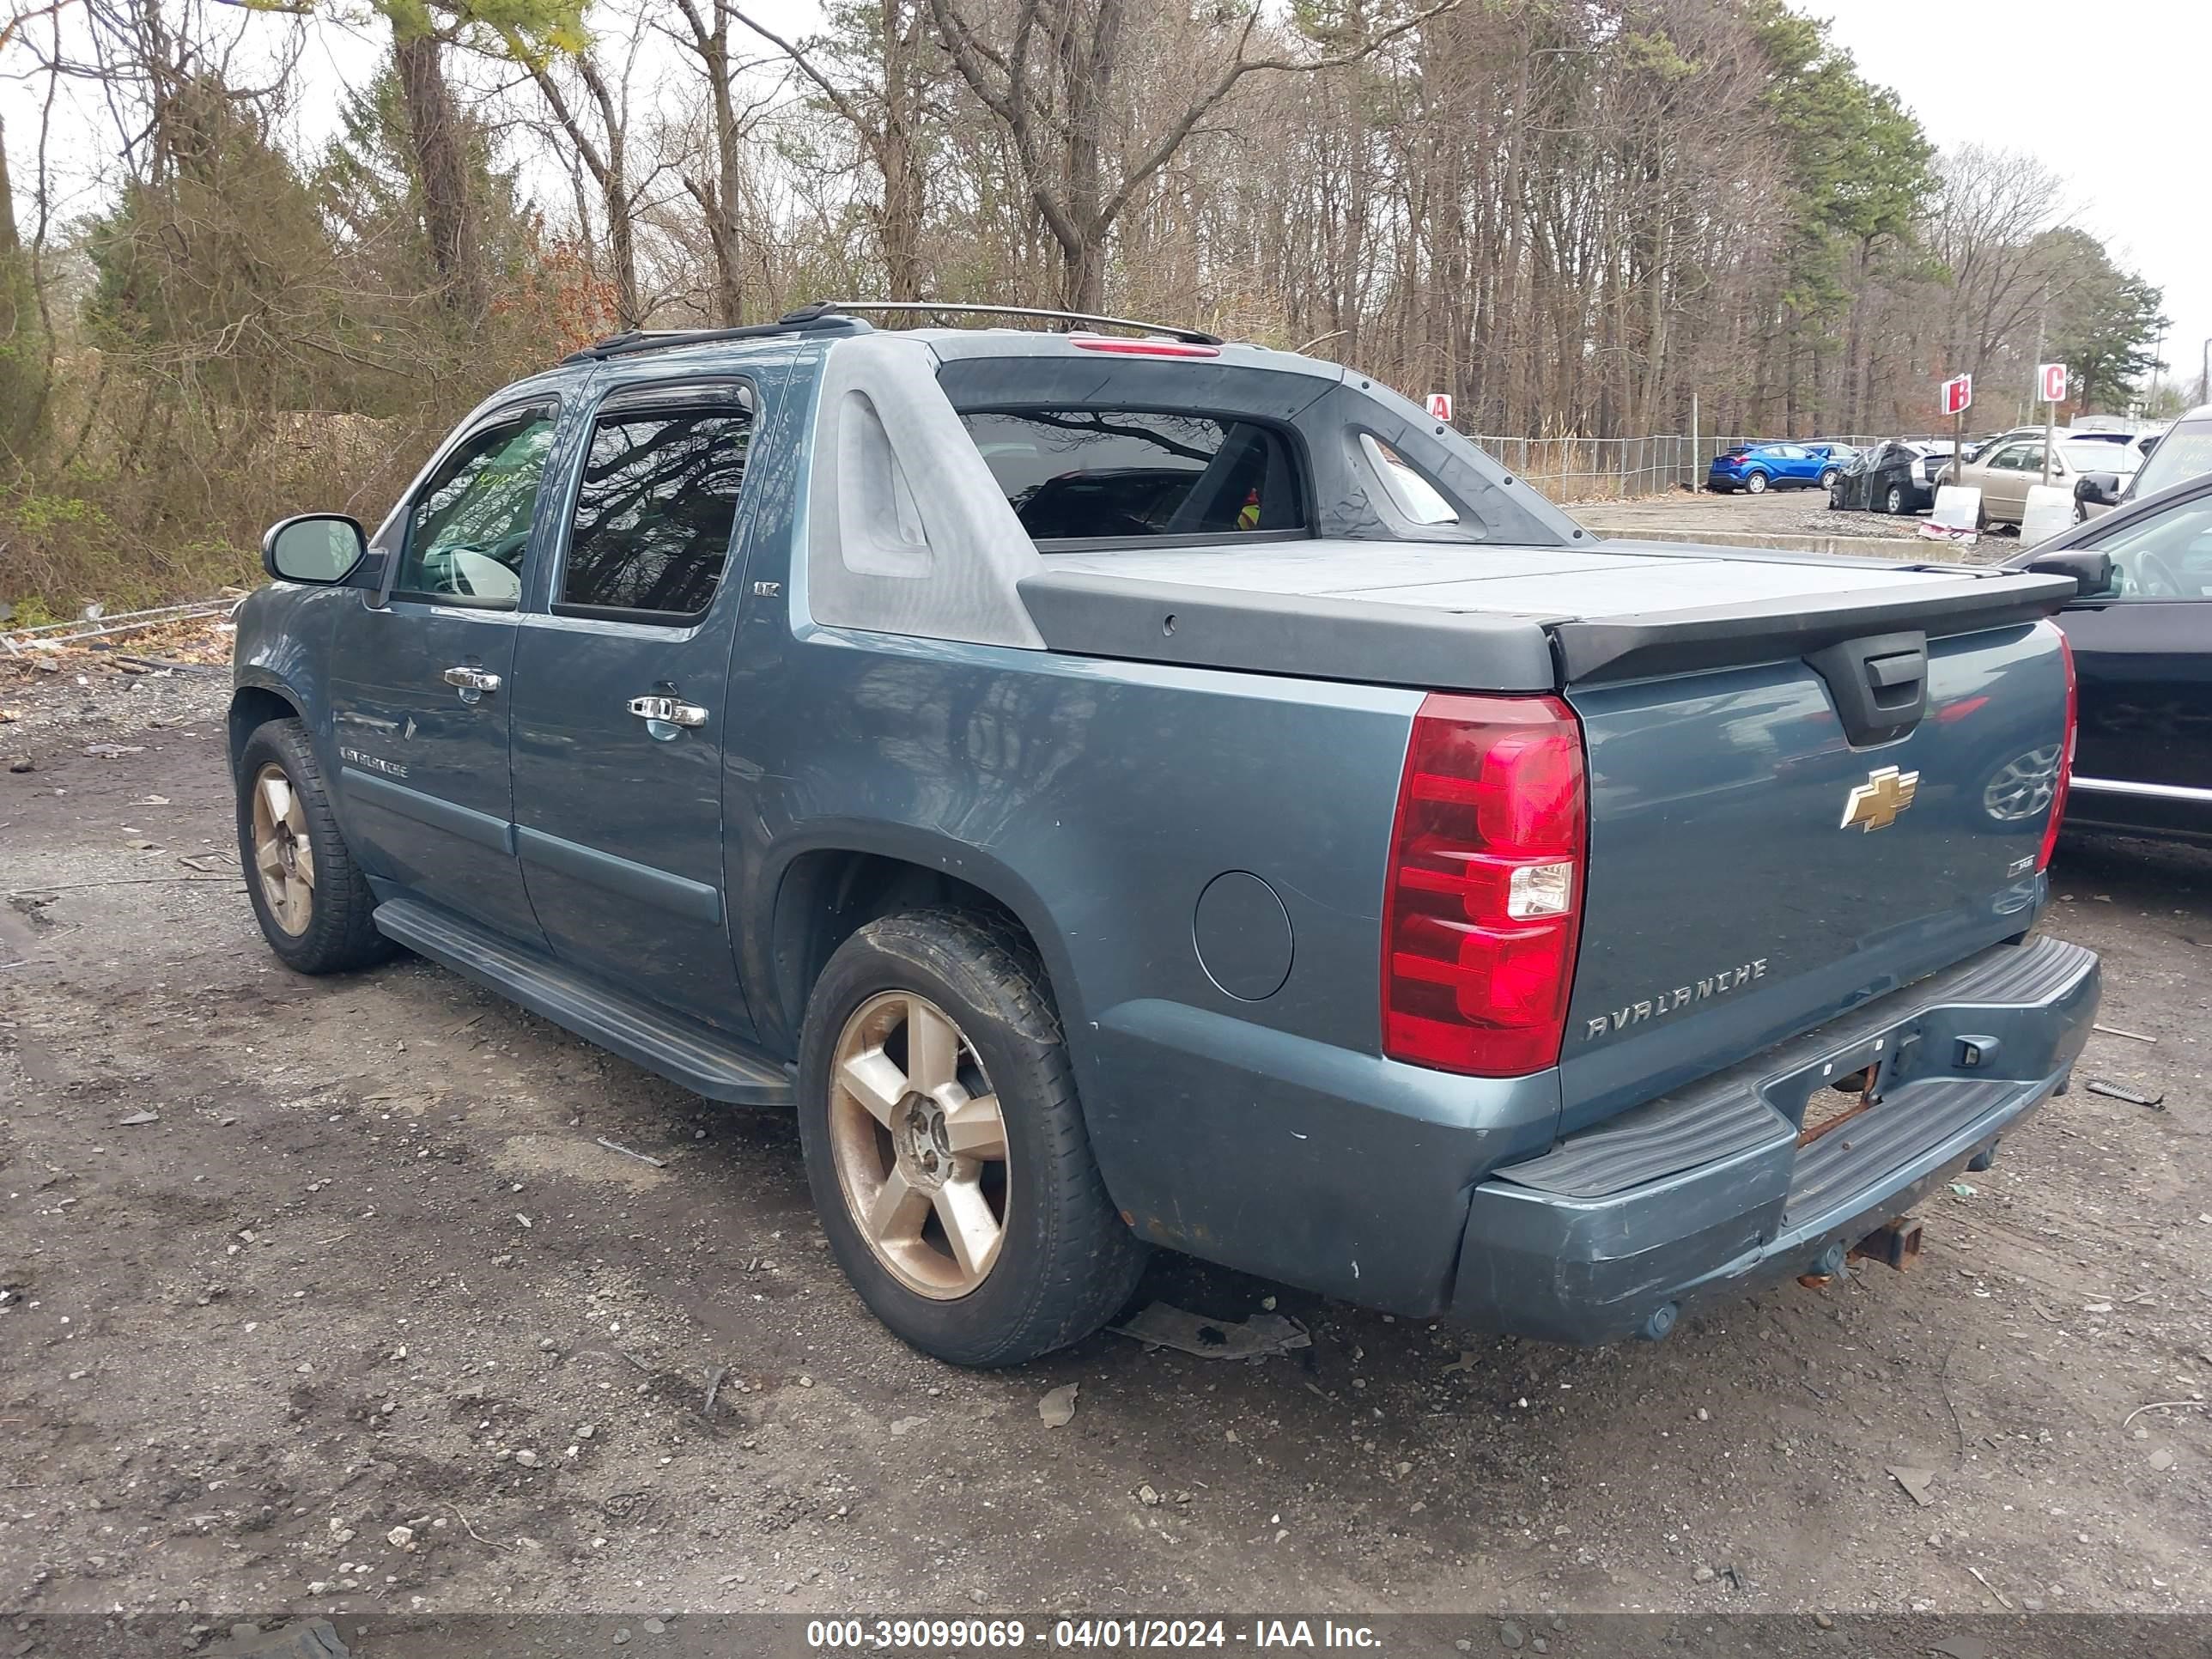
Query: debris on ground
x,y
137,1118
1915,1483
1163,1325
1057,1408
2166,1405
617,1147
2121,1091
2132,1036
113,750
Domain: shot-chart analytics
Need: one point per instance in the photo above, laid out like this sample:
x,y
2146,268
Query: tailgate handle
x,y
1895,675
1878,684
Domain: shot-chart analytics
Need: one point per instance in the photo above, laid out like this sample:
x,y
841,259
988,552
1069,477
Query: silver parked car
x,y
2009,469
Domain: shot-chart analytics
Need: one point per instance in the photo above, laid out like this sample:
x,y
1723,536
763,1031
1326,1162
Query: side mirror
x,y
2092,571
320,548
2101,488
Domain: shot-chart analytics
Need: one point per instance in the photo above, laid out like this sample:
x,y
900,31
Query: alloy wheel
x,y
283,858
920,1144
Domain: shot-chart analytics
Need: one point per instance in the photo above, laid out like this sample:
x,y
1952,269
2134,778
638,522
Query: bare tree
x,y
1053,85
433,125
886,108
598,132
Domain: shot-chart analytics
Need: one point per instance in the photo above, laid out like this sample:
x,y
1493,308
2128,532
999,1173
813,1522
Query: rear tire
x,y
899,1156
1893,502
1755,483
310,897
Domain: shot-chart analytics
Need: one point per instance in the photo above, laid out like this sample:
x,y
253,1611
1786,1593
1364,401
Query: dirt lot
x,y
1777,513
1780,513
370,1273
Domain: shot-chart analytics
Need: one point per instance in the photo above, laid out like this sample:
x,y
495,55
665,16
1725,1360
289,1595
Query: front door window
x,y
470,525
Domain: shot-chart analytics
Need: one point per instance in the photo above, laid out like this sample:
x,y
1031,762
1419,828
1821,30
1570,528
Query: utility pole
x,y
2204,372
2050,413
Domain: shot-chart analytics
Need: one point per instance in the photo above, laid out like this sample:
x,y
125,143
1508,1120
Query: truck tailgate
x,y
1752,871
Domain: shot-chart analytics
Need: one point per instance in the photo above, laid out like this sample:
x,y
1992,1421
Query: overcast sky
x,y
2111,95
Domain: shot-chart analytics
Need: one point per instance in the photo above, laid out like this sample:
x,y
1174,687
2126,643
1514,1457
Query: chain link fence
x,y
1611,469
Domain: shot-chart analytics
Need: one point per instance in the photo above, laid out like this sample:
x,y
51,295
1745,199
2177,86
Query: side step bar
x,y
682,1050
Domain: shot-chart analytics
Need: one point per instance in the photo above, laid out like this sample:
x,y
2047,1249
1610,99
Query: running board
x,y
682,1050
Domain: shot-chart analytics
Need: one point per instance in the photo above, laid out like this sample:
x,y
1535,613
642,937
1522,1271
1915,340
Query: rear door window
x,y
655,506
1088,475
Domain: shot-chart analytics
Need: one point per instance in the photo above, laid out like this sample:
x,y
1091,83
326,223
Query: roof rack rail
x,y
821,310
663,339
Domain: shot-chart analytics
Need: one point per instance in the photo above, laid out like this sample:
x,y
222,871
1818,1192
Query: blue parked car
x,y
1759,467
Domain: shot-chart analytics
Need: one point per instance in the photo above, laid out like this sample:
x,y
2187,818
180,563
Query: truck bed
x,y
1451,616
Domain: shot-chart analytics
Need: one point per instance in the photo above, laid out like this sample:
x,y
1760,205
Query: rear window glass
x,y
1095,474
1410,491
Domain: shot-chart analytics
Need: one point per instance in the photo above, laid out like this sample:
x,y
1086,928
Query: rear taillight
x,y
2065,752
1483,900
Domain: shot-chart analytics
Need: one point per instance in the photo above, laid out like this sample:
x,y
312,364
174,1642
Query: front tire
x,y
1755,483
1828,478
945,1148
310,897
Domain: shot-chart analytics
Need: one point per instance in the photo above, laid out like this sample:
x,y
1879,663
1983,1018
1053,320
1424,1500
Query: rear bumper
x,y
1609,1233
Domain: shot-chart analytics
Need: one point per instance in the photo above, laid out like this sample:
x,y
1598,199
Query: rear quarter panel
x,y
1098,800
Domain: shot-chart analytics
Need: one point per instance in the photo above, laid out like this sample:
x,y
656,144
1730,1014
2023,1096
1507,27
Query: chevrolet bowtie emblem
x,y
1875,804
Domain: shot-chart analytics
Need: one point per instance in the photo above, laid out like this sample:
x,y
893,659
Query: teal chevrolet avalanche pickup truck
x,y
1121,789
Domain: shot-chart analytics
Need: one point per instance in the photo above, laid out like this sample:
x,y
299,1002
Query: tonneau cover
x,y
1462,618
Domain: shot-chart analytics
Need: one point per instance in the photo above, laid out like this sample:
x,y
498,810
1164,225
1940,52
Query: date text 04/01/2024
x,y
937,1635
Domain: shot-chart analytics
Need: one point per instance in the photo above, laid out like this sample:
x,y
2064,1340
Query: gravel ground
x,y
366,1319
1777,513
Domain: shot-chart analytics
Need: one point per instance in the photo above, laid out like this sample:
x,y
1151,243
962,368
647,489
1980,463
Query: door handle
x,y
667,711
472,679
